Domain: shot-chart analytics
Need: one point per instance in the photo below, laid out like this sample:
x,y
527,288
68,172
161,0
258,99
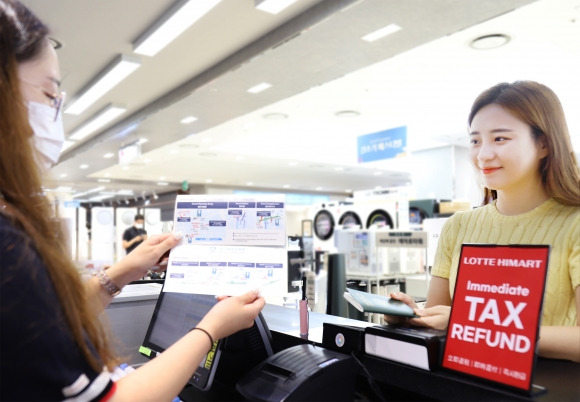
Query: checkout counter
x,y
377,379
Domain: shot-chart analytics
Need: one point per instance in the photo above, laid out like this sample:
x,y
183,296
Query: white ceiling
x,y
423,77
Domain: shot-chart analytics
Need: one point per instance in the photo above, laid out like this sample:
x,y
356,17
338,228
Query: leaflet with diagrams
x,y
230,244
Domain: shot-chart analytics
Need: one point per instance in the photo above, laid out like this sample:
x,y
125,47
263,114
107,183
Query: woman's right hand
x,y
232,314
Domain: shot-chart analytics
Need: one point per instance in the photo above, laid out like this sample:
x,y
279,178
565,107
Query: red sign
x,y
495,317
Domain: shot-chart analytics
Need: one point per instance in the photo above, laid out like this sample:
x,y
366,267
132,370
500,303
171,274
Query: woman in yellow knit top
x,y
521,149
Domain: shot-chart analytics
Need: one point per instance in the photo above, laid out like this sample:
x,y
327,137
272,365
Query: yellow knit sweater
x,y
550,223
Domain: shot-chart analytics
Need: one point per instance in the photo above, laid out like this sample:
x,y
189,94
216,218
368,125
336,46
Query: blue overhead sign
x,y
382,145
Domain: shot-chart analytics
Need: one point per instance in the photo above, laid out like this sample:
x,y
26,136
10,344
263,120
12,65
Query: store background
x,y
328,87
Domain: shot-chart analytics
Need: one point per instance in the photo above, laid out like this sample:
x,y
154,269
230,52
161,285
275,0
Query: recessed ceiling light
x,y
381,33
162,183
188,119
173,23
275,116
208,180
286,186
250,183
273,6
122,66
259,88
348,190
63,175
487,42
108,155
102,118
347,113
318,188
84,166
104,180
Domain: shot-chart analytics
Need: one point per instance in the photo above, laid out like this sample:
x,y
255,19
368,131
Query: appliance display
x,y
330,215
381,212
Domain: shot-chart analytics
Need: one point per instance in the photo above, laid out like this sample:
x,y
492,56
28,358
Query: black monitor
x,y
176,314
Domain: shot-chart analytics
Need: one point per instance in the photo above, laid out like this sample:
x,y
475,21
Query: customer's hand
x,y
408,300
232,314
436,317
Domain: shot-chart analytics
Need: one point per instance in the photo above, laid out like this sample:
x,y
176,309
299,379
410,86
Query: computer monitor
x,y
176,314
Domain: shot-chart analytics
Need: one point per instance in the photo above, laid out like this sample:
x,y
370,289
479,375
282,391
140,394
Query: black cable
x,y
370,379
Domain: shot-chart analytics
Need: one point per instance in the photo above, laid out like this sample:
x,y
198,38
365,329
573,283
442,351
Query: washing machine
x,y
377,212
327,216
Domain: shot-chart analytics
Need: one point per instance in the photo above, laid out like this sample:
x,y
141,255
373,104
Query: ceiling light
x,y
142,140
381,33
250,183
188,119
208,180
273,6
104,180
487,42
275,116
162,183
102,118
286,186
259,88
108,155
318,188
155,196
347,113
173,23
115,72
63,175
84,166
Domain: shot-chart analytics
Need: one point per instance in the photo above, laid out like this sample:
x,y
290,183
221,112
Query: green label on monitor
x,y
145,351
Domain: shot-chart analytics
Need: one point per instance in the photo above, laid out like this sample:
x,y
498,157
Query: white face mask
x,y
48,134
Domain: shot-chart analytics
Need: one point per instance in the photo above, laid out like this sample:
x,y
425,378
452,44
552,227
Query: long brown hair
x,y
538,106
23,37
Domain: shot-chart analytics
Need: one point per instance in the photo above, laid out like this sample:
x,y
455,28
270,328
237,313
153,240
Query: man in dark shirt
x,y
134,235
